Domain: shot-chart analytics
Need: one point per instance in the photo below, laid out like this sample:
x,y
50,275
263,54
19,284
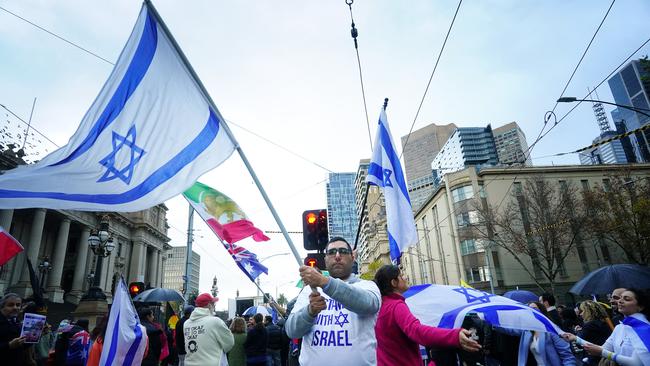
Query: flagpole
x,y
188,253
206,95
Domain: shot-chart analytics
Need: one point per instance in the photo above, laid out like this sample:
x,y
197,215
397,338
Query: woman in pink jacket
x,y
399,333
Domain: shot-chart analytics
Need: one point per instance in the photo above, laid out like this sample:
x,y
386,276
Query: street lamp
x,y
102,244
44,267
574,99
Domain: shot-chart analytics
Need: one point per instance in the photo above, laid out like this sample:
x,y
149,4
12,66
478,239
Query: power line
x,y
435,67
354,33
279,146
57,36
584,53
25,122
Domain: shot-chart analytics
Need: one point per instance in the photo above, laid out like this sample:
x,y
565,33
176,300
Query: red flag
x,y
9,246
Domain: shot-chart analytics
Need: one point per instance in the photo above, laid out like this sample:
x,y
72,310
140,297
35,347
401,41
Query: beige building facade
x,y
449,251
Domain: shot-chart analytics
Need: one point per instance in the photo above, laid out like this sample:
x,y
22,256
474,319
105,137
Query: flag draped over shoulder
x,y
149,135
229,223
9,246
641,343
385,171
446,306
126,339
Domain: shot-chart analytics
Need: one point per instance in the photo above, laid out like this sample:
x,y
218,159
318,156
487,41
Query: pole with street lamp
x,y
102,244
44,267
634,109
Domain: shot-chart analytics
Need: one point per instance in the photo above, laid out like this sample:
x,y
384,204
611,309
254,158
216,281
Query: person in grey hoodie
x,y
207,337
336,323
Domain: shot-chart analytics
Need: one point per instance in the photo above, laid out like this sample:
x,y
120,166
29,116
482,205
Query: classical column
x,y
58,257
136,270
151,267
80,267
35,236
159,273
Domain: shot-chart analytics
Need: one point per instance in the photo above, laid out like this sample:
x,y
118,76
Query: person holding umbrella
x,y
630,341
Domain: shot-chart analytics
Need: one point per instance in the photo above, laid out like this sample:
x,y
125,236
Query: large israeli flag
x,y
385,171
637,331
148,136
446,306
126,339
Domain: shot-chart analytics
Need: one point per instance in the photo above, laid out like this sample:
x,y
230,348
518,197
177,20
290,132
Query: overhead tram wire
x,y
575,69
435,67
354,33
58,36
279,146
433,72
548,116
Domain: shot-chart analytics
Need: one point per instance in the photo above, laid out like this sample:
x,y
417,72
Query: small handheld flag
x,y
9,246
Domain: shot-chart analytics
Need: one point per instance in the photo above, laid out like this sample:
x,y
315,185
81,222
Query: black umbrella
x,y
159,295
605,279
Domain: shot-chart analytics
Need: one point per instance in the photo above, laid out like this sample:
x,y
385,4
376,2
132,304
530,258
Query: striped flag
x,y
149,135
9,246
446,306
126,339
385,171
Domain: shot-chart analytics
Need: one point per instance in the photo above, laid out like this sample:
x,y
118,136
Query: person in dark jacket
x,y
180,337
155,340
257,340
595,328
12,345
275,342
570,320
548,300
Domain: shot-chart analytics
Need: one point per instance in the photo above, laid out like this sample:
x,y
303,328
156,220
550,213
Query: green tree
x,y
191,298
620,214
282,300
372,269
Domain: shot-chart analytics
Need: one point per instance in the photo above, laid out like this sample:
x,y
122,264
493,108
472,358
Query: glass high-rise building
x,y
467,146
608,153
629,88
341,206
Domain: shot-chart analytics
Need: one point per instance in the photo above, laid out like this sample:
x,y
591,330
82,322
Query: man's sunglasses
x,y
342,251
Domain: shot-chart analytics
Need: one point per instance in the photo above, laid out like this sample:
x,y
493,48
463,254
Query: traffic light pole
x,y
223,124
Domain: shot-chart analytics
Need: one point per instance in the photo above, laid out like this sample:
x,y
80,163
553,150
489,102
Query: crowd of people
x,y
342,319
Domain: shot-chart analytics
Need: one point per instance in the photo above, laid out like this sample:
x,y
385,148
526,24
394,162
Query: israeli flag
x,y
640,329
126,339
148,136
385,171
446,306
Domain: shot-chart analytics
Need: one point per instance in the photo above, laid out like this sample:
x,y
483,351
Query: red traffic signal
x,y
135,288
314,229
315,260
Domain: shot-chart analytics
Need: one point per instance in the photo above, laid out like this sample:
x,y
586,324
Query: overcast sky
x,y
287,71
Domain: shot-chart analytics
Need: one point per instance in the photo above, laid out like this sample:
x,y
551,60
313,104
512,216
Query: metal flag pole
x,y
188,254
222,122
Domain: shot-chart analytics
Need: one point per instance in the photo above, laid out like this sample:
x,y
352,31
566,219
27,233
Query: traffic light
x,y
314,229
135,288
315,260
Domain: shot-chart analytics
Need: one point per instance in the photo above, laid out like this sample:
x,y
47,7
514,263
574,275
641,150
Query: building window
x,y
467,247
517,187
462,193
477,274
467,218
585,184
606,185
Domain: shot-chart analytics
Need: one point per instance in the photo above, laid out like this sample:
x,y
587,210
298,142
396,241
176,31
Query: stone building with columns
x,y
61,237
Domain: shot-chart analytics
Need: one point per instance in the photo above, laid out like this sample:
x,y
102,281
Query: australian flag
x,y
246,261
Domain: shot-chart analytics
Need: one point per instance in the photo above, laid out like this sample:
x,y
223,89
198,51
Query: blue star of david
x,y
387,182
124,173
340,322
484,297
